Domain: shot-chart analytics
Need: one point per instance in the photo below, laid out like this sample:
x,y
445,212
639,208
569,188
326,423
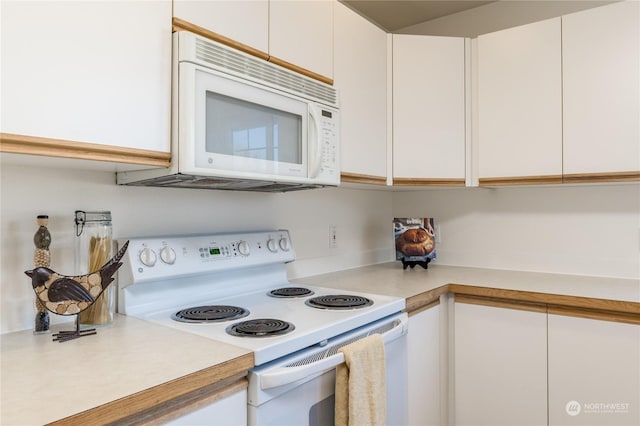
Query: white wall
x,y
362,219
584,230
590,230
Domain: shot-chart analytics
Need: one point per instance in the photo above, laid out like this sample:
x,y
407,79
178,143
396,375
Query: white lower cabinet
x,y
594,372
230,410
425,370
500,366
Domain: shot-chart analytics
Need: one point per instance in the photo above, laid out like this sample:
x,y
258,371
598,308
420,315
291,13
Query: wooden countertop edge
x,y
425,299
604,309
157,402
182,406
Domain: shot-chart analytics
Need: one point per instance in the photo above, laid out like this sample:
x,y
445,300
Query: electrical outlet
x,y
333,237
438,234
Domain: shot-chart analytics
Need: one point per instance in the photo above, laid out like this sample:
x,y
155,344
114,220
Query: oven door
x,y
229,126
304,395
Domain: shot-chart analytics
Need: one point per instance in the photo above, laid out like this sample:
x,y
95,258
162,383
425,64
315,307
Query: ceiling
x,y
462,18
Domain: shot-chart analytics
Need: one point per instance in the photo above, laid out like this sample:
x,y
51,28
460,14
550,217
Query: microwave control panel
x,y
329,152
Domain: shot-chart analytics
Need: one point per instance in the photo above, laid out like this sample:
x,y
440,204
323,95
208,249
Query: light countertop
x,y
43,381
390,279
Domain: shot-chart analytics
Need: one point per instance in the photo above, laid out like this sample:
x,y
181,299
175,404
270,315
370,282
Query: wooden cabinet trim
x,y
631,176
520,180
427,182
300,70
32,145
416,303
182,406
603,309
425,307
501,303
614,306
149,404
595,314
362,178
182,25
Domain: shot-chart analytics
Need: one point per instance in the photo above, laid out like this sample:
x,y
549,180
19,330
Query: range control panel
x,y
159,258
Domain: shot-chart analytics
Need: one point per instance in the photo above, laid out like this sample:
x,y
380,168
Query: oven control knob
x,y
168,255
148,257
271,245
285,244
243,248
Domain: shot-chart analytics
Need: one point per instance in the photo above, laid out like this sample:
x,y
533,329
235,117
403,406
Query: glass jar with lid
x,y
94,248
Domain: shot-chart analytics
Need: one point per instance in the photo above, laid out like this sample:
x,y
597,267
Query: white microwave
x,y
242,123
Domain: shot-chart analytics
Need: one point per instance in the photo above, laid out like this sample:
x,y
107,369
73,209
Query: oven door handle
x,y
285,375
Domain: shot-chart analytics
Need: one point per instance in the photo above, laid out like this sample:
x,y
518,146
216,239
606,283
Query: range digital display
x,y
214,250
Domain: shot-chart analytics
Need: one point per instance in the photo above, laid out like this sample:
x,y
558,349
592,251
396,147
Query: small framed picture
x,y
415,240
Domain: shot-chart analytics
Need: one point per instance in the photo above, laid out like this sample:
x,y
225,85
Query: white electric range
x,y
233,288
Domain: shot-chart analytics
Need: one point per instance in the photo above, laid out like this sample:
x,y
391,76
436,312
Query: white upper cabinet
x,y
97,72
301,33
428,110
296,33
601,84
360,76
246,22
520,103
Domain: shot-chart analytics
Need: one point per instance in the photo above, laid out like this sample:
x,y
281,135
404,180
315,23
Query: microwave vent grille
x,y
221,183
246,66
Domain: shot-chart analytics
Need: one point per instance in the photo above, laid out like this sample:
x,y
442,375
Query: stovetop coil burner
x,y
286,292
339,301
210,313
261,327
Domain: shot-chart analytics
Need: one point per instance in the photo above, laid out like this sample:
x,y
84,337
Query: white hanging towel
x,y
361,394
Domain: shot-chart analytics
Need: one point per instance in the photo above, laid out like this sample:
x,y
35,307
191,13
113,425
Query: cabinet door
x,y
424,368
361,79
500,366
520,104
594,372
601,65
301,33
244,21
230,410
428,108
96,71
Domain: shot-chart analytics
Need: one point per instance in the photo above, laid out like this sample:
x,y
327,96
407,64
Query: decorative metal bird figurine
x,y
70,295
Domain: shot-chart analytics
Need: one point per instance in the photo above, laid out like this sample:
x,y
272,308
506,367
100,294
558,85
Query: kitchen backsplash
x,y
358,216
592,230
578,230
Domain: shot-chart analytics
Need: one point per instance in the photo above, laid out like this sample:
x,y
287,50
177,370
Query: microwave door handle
x,y
285,375
315,145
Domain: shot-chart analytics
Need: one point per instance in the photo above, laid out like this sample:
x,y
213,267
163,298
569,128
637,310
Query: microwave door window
x,y
238,128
